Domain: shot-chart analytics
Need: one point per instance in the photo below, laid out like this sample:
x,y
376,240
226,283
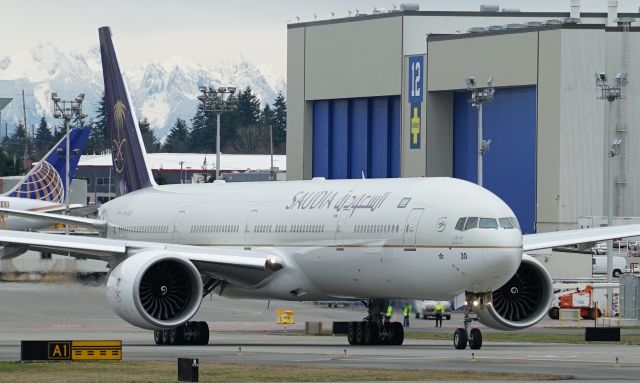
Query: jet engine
x,y
522,302
155,290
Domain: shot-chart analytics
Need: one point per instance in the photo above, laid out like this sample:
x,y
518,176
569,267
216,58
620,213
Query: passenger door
x,y
411,229
177,227
248,229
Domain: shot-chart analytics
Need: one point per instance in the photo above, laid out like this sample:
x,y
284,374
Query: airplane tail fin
x,y
127,148
46,180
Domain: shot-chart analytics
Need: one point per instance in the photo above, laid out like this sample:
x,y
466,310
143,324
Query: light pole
x,y
610,94
218,101
66,110
478,97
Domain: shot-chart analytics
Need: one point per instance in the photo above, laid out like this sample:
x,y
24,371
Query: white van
x,y
600,265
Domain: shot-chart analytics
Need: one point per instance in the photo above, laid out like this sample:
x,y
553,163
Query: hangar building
x,y
384,95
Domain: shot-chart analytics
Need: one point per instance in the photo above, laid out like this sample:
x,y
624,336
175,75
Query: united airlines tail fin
x,y
127,148
46,180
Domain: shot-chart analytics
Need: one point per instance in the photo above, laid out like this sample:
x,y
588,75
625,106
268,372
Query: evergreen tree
x,y
248,107
19,143
280,124
44,138
252,139
203,131
178,138
151,143
7,166
99,137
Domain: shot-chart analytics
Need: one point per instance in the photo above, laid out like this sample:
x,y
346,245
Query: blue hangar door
x,y
509,121
356,136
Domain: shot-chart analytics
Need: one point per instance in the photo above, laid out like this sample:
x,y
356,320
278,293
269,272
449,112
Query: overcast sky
x,y
204,31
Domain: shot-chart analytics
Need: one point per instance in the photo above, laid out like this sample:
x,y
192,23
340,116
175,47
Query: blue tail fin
x,y
127,148
45,181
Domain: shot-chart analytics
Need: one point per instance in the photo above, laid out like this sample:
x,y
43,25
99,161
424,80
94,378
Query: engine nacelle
x,y
155,290
521,302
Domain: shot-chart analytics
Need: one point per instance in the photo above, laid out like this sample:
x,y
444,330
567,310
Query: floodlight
x,y
59,151
231,89
76,152
222,89
471,82
80,97
617,142
201,97
54,97
602,76
490,82
57,115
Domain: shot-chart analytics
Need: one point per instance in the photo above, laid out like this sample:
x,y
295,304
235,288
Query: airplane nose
x,y
502,264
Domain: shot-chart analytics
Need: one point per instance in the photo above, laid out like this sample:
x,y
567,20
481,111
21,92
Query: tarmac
x,y
245,331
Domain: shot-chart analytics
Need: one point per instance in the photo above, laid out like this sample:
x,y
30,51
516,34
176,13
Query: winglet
x,y
127,148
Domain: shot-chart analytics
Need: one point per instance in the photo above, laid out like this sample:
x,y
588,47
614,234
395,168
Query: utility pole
x,y
610,94
218,101
66,110
478,97
273,176
26,135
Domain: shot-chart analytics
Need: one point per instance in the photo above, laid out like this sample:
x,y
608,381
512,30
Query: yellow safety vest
x,y
389,311
439,308
407,310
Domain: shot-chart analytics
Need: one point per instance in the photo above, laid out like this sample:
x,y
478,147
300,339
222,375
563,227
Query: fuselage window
x,y
472,223
488,223
505,223
460,224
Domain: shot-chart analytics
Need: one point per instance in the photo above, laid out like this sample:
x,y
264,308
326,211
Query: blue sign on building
x,y
416,81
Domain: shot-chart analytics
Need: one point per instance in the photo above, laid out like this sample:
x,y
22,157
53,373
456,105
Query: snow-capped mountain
x,y
161,91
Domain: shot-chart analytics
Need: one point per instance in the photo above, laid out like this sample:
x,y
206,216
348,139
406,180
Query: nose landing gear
x,y
372,330
467,335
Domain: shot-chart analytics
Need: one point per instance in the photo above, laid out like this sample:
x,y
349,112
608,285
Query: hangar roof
x,y
194,161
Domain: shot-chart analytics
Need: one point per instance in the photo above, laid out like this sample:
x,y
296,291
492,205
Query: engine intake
x,y
522,302
155,290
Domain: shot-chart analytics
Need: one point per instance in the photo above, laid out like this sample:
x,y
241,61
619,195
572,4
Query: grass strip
x,y
165,371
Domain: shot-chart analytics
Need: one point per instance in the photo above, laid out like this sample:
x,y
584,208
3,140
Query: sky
x,y
204,31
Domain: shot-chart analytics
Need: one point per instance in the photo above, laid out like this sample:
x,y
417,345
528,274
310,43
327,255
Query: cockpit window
x,y
488,223
515,222
505,223
460,224
472,223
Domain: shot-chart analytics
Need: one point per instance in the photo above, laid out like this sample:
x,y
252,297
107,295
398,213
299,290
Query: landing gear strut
x,y
372,330
472,336
194,333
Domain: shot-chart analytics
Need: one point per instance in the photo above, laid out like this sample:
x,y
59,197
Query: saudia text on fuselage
x,y
339,201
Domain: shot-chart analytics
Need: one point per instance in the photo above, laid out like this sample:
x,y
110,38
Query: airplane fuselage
x,y
339,239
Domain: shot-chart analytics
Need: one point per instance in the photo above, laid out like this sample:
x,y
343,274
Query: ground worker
x,y
389,314
439,310
406,312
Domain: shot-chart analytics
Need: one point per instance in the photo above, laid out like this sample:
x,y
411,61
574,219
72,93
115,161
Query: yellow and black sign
x,y
71,350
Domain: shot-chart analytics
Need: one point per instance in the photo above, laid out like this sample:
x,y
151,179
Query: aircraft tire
x,y
460,339
475,339
165,336
203,333
397,334
371,333
157,337
360,328
351,333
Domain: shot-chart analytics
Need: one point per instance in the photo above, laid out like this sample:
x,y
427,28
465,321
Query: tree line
x,y
243,131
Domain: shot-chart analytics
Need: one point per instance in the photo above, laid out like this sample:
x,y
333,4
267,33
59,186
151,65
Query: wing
x,y
47,216
242,267
572,237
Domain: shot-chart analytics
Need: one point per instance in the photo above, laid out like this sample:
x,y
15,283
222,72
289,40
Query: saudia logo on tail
x,y
118,147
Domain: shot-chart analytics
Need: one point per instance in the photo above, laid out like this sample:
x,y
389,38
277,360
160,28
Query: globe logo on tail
x,y
43,183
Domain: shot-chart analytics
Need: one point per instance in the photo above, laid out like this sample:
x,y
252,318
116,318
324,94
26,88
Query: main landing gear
x,y
372,330
190,333
465,335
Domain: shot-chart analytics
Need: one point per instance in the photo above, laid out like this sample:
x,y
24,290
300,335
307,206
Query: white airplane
x,y
42,188
373,240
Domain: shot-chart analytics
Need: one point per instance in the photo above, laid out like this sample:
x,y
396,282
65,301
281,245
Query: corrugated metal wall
x,y
356,136
509,121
